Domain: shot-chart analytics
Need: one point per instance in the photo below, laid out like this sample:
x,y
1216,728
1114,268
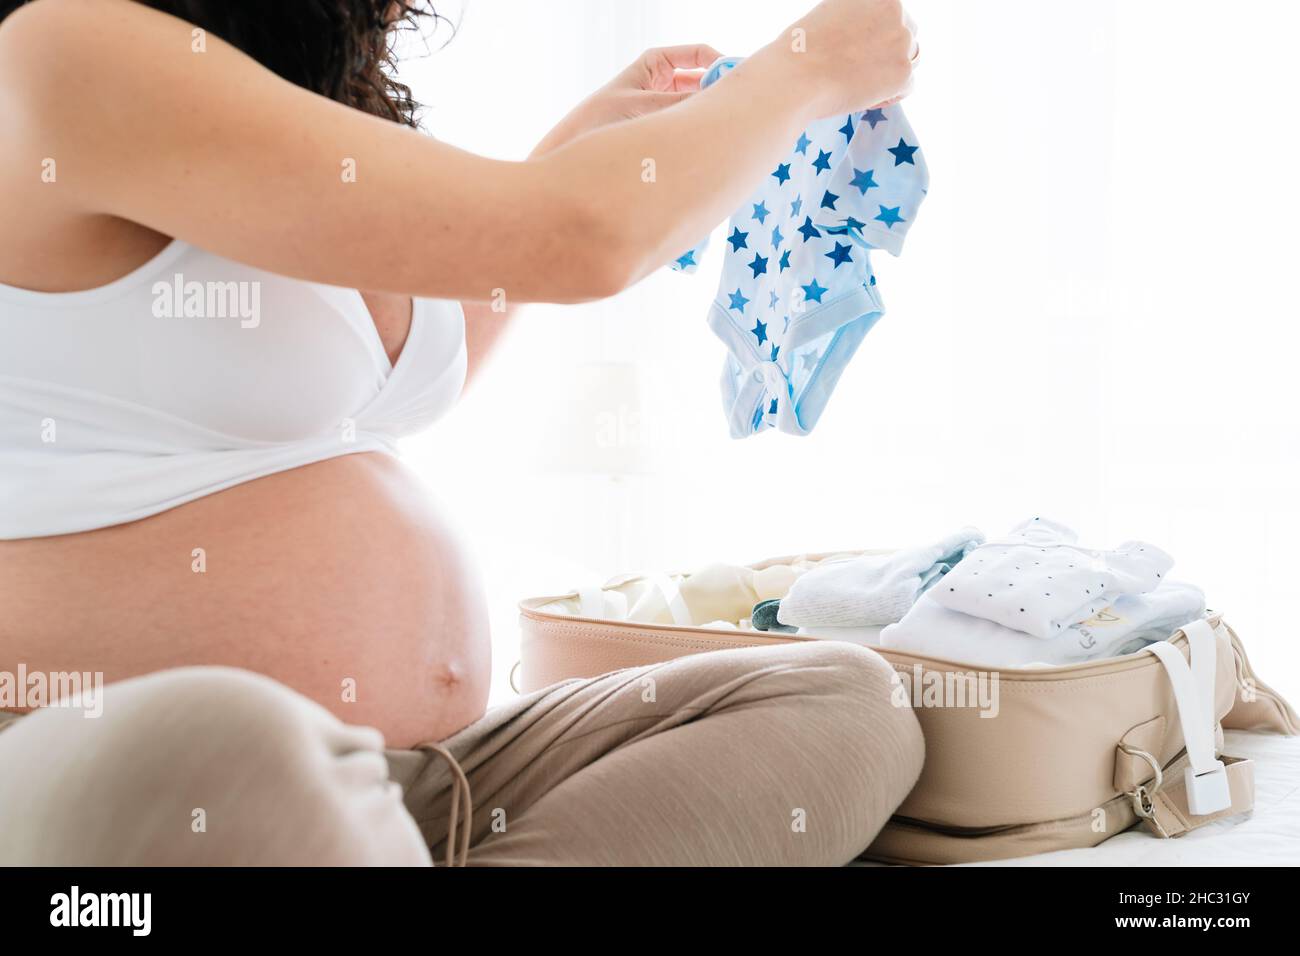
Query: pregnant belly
x,y
339,579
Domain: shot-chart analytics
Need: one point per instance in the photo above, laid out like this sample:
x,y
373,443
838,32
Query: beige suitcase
x,y
1072,756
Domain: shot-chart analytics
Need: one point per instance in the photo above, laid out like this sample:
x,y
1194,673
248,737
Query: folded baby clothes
x,y
798,294
872,589
1039,581
1127,625
717,592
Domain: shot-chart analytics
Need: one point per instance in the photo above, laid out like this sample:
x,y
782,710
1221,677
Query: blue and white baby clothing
x,y
797,294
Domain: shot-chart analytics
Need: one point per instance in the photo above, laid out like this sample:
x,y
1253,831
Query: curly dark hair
x,y
342,49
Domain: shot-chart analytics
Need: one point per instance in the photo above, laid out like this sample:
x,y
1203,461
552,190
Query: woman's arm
x,y
214,149
658,79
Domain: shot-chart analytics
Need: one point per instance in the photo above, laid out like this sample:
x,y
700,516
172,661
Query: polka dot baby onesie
x,y
1127,625
797,294
1039,581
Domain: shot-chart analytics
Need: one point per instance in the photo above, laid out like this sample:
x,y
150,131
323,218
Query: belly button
x,y
448,674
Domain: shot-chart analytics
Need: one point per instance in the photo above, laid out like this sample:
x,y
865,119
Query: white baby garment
x,y
1039,581
1129,624
872,589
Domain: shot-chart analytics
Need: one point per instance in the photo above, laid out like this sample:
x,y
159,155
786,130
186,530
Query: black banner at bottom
x,y
519,906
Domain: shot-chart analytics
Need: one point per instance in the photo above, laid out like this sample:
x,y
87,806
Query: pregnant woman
x,y
232,275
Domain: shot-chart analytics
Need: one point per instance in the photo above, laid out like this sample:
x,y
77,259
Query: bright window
x,y
1095,317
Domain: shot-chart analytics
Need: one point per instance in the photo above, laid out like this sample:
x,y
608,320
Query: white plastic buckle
x,y
1207,792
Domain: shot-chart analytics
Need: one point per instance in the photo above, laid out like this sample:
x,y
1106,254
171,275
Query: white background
x,y
1094,318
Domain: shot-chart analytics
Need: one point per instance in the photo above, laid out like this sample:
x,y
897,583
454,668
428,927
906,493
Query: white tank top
x,y
195,373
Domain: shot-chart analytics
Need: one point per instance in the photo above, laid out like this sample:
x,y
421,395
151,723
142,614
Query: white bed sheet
x,y
1268,836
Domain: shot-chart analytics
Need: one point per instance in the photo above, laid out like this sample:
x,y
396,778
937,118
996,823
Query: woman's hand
x,y
855,54
851,54
659,78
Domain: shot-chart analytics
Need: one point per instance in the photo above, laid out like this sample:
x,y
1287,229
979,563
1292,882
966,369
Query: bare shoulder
x,y
43,30
63,56
83,84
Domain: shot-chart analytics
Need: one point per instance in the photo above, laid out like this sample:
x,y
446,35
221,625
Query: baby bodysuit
x,y
1038,581
1129,623
797,294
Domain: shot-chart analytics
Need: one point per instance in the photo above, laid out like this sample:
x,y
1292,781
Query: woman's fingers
x,y
891,101
687,81
906,91
657,69
691,56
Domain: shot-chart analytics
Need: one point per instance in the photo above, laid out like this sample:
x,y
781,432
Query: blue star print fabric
x,y
797,294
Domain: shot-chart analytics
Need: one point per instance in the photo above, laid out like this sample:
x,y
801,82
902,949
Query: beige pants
x,y
779,755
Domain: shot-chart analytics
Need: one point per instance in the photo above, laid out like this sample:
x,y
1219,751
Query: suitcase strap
x,y
1200,786
1162,802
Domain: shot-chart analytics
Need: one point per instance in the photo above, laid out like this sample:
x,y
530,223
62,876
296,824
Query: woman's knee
x,y
840,692
875,730
860,689
856,673
850,675
216,765
841,699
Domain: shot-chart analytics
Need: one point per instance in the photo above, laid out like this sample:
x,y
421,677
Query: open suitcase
x,y
1075,755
